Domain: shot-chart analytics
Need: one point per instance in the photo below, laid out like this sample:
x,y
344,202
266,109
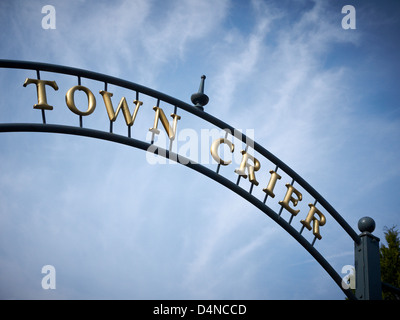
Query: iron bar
x,y
170,155
251,188
43,112
43,117
189,108
315,238
62,129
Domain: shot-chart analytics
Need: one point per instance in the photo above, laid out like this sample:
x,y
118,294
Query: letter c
x,y
214,150
223,309
232,312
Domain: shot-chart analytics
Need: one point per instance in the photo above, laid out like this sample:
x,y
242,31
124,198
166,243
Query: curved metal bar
x,y
62,129
195,166
193,110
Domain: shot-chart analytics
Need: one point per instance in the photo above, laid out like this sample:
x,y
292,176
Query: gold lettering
x,y
161,115
69,98
289,198
251,169
129,118
41,92
316,223
271,184
214,150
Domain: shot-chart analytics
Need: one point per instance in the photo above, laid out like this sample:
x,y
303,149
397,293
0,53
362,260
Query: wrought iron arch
x,y
199,101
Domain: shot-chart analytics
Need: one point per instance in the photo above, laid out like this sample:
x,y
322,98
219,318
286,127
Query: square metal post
x,y
367,265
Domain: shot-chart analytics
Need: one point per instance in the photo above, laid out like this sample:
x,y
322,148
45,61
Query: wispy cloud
x,y
232,238
111,37
328,258
112,222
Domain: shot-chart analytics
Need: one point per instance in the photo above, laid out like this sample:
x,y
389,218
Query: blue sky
x,y
321,98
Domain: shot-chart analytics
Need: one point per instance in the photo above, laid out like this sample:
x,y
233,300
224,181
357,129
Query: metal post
x,y
367,262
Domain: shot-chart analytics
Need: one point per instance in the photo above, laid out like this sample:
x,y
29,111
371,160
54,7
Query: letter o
x,y
69,99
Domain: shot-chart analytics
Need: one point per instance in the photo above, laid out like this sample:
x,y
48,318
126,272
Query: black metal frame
x,y
31,127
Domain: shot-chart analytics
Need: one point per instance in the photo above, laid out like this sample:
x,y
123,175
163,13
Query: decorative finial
x,y
200,99
366,224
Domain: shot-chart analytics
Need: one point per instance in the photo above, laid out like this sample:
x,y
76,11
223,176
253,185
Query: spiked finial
x,y
200,99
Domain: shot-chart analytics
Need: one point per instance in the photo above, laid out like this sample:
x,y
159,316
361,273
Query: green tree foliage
x,y
390,262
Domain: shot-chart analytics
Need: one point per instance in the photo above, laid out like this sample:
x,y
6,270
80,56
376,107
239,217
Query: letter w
x,y
129,118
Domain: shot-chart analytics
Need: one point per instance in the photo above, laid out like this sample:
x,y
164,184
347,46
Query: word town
x,y
249,165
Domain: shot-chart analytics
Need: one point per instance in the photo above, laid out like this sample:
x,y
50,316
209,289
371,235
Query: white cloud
x,y
274,81
113,36
172,230
169,33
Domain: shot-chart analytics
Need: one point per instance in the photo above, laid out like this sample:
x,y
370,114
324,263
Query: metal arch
x,y
27,127
51,128
189,108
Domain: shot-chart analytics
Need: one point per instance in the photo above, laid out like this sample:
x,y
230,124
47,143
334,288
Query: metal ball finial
x,y
366,224
200,99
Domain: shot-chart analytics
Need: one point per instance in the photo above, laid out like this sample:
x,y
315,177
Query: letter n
x,y
160,115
